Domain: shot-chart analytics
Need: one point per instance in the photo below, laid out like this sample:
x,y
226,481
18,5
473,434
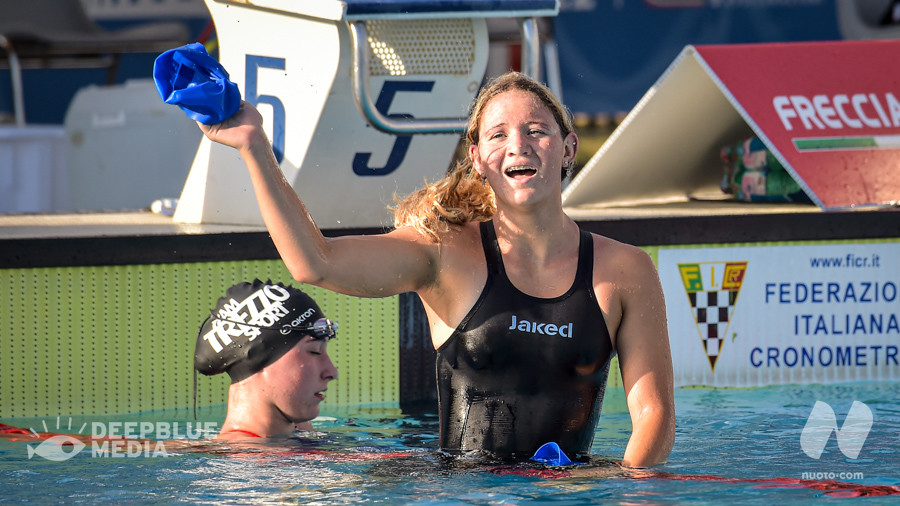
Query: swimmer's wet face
x,y
517,82
295,384
521,147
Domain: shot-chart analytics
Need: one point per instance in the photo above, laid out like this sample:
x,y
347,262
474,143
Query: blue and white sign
x,y
765,315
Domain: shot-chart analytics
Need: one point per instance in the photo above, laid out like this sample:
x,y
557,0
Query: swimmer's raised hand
x,y
241,131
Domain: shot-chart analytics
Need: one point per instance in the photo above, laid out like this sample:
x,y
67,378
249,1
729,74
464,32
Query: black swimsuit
x,y
520,371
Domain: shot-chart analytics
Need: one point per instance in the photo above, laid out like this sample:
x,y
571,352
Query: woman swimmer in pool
x,y
272,340
525,310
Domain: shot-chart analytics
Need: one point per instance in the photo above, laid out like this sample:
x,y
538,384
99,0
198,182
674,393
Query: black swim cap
x,y
253,326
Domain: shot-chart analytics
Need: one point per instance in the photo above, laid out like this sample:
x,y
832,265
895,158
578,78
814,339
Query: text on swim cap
x,y
298,321
263,308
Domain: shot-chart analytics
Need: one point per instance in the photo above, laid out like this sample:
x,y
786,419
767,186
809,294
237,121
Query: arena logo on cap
x,y
712,289
115,439
262,308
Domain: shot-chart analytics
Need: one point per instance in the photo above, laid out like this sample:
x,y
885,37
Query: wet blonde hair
x,y
461,197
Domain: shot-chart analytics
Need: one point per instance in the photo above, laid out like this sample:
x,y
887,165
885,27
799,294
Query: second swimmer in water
x,y
272,340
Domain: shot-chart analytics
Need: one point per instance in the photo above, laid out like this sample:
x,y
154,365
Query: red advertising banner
x,y
830,111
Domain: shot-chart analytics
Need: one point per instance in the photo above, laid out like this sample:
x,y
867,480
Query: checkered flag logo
x,y
712,289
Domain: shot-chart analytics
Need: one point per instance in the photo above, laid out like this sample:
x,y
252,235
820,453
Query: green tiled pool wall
x,y
120,339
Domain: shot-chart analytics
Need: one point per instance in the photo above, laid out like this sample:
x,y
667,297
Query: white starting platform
x,y
362,99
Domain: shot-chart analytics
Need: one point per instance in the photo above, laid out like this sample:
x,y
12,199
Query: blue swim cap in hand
x,y
552,455
194,81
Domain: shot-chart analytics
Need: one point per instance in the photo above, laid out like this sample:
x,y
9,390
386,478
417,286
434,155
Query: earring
x,y
484,181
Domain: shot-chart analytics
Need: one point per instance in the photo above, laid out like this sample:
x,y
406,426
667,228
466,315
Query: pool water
x,y
734,445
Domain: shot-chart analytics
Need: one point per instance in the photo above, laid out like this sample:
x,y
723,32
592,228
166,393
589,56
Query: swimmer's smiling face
x,y
520,148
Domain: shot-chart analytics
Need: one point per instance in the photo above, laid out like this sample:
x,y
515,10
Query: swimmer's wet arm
x,y
367,266
652,433
645,360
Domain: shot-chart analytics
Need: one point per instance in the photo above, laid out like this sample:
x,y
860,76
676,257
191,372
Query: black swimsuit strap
x,y
491,248
586,259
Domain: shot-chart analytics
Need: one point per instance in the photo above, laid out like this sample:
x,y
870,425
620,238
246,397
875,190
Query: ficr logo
x,y
822,422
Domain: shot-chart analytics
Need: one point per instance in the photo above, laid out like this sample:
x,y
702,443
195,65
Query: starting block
x,y
362,99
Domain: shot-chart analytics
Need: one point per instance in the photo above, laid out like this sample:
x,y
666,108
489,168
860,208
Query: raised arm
x,y
645,359
368,266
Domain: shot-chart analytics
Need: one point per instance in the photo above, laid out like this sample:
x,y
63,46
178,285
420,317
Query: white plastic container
x,y
126,147
33,175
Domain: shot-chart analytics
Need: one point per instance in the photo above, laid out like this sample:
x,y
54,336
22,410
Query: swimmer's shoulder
x,y
622,274
451,234
455,241
618,259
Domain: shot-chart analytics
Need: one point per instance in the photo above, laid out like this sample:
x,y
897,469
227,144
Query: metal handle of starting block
x,y
15,75
362,93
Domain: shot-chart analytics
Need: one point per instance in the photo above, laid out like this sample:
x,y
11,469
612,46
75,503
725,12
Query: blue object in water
x,y
194,81
552,455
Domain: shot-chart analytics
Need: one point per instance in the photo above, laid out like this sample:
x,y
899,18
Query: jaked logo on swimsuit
x,y
544,329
